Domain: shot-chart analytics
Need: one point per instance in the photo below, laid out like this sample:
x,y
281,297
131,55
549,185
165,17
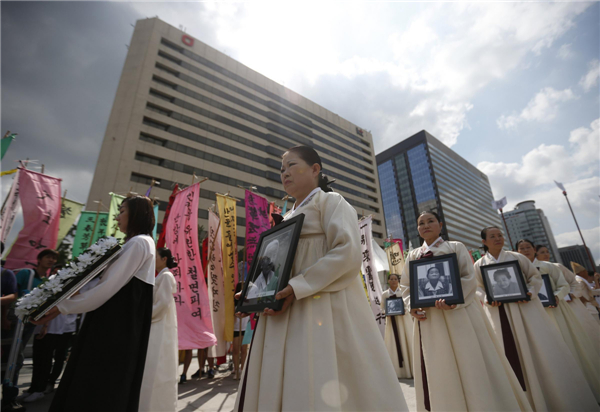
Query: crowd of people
x,y
323,349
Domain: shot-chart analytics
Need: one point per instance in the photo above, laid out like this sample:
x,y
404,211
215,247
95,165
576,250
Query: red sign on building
x,y
187,40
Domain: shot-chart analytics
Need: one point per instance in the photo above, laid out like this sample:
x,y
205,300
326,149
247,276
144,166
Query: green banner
x,y
6,141
85,226
113,228
69,212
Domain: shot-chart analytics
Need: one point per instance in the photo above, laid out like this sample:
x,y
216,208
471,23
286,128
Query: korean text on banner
x,y
85,227
10,209
40,199
194,323
216,292
257,221
370,272
228,218
395,259
113,228
69,212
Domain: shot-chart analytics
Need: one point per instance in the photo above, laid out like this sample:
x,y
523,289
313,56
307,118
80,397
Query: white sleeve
x,y
163,296
117,275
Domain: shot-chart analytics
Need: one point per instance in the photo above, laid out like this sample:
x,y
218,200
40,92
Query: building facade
x,y
527,222
578,254
422,174
184,108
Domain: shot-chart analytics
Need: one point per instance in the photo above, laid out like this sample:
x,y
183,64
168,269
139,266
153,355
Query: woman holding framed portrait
x,y
577,291
458,363
530,342
317,352
398,332
571,329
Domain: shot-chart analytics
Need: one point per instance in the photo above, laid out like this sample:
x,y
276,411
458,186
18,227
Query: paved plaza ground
x,y
217,394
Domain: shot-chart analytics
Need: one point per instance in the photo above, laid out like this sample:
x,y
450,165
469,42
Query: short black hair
x,y
501,272
47,252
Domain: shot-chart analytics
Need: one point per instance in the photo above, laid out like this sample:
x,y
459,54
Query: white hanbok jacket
x,y
404,325
159,386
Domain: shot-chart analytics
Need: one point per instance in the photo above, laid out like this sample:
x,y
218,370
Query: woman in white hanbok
x,y
531,343
458,363
565,320
159,386
398,332
323,350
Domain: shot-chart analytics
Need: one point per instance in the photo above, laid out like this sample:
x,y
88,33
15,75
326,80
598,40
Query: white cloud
x,y
592,240
564,51
575,165
418,66
591,78
543,107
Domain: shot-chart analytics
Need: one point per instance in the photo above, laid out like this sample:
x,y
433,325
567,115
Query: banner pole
x,y
580,234
507,231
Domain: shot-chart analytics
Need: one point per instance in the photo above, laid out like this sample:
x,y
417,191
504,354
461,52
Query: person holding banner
x,y
398,332
531,344
159,386
323,349
564,319
106,365
458,363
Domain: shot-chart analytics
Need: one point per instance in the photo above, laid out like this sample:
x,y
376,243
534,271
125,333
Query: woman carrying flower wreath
x,y
106,366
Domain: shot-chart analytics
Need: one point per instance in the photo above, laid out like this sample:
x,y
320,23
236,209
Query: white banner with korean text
x,y
369,271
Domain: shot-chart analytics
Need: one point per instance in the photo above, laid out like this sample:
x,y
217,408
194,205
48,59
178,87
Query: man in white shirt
x,y
265,283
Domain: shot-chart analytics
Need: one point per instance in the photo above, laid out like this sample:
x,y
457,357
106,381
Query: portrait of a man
x,y
266,282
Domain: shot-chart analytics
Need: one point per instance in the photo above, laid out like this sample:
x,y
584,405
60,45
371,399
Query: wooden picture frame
x,y
271,267
423,292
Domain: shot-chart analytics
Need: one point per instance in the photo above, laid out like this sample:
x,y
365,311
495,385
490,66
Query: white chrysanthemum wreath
x,y
55,283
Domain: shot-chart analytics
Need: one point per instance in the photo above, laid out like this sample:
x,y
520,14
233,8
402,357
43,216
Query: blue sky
x,y
511,87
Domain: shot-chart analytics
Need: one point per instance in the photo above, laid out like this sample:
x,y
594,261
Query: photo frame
x,y
546,293
394,307
271,267
504,282
435,278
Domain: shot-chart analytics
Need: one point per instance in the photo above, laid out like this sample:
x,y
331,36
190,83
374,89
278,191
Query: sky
x,y
511,87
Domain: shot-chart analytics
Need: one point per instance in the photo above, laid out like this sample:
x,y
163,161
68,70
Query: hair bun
x,y
171,263
324,182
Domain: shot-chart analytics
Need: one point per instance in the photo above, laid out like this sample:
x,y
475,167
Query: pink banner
x,y
41,203
257,221
194,324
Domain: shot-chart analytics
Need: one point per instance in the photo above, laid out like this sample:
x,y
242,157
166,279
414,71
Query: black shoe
x,y
183,379
211,373
196,375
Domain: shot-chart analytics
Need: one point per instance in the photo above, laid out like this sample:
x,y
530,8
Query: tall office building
x,y
527,222
422,174
576,253
184,108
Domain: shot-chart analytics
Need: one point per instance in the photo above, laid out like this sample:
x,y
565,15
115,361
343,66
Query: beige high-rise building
x,y
183,107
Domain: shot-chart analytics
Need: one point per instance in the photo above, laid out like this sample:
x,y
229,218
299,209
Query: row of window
x,y
236,165
252,119
251,107
189,170
259,89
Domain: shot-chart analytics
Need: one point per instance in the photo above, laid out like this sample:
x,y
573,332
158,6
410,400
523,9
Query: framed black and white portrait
x,y
504,282
435,278
394,306
271,266
546,294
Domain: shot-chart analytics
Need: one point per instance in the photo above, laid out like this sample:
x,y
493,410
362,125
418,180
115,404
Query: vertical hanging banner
x,y
228,218
10,209
113,228
257,221
370,272
91,227
40,199
216,292
194,323
69,211
273,208
395,259
161,237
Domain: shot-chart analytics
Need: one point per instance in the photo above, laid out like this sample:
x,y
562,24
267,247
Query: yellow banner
x,y
228,219
8,172
395,259
69,212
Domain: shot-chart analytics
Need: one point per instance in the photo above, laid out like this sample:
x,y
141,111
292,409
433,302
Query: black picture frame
x,y
394,307
489,274
258,293
546,293
452,292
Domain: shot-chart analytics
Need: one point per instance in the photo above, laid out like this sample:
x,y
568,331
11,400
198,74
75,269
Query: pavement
x,y
207,395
